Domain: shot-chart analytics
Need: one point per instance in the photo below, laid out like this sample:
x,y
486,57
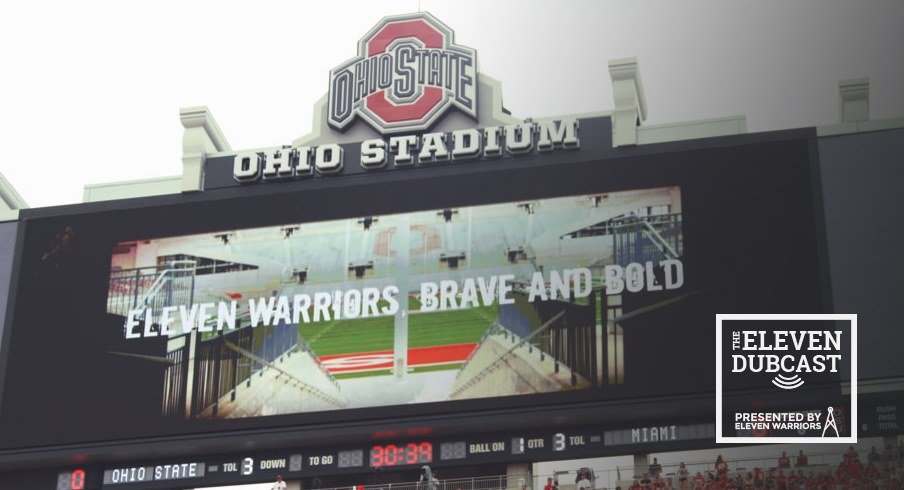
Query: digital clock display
x,y
401,454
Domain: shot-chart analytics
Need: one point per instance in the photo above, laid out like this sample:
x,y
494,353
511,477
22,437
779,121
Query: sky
x,y
90,91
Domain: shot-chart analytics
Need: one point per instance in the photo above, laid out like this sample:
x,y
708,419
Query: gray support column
x,y
202,136
517,476
854,97
641,464
190,373
630,101
400,337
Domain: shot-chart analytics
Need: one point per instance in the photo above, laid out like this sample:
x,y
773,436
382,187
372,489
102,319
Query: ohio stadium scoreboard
x,y
412,453
422,260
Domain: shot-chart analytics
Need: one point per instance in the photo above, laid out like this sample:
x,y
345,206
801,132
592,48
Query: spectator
x,y
758,480
770,479
791,481
658,482
841,474
781,483
722,482
655,468
636,486
279,485
698,481
812,482
584,483
549,484
682,474
832,481
645,482
872,473
850,455
802,459
731,484
873,456
855,470
784,461
721,466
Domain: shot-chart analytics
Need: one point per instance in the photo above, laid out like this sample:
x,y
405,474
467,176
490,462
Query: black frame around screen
x,y
765,186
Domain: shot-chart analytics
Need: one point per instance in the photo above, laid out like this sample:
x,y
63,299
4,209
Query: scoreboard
x,y
193,393
400,454
311,303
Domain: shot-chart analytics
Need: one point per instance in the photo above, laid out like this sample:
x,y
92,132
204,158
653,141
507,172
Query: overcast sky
x,y
90,91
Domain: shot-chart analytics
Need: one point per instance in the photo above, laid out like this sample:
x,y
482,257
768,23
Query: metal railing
x,y
296,382
175,382
573,341
219,369
567,331
743,465
499,482
647,238
151,288
602,478
518,343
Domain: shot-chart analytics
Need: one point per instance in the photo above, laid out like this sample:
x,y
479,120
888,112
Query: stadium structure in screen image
x,y
313,316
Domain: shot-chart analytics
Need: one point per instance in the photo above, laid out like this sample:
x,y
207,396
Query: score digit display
x,y
452,450
350,459
71,480
400,455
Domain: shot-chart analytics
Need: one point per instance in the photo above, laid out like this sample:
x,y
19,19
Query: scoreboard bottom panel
x,y
400,454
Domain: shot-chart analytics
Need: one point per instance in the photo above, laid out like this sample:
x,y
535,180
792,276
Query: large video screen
x,y
534,286
443,304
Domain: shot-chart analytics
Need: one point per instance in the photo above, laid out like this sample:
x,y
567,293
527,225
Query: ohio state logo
x,y
408,72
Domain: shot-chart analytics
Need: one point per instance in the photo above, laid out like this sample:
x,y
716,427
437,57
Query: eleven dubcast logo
x,y
788,354
408,72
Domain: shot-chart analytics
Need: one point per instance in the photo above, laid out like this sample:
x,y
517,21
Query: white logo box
x,y
850,318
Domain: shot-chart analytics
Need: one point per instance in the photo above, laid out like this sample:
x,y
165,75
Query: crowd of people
x,y
883,471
